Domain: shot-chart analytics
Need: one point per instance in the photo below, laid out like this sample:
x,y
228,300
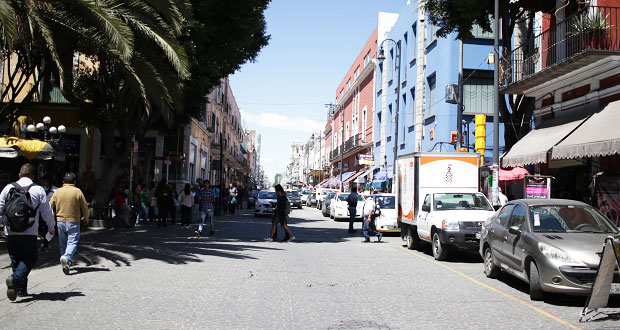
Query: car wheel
x,y
412,239
439,251
536,292
490,270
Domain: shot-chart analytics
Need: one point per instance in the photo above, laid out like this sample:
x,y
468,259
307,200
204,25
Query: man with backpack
x,y
352,201
19,202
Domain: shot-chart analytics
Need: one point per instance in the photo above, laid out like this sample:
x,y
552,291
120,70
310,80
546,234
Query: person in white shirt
x,y
368,212
502,198
186,199
22,246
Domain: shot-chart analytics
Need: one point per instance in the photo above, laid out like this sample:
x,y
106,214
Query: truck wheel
x,y
412,239
490,270
439,251
536,292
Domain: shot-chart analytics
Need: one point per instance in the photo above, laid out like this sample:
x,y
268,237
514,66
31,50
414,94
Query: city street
x,y
325,279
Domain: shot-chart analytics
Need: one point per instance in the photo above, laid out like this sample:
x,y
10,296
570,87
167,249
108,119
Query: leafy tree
x,y
451,16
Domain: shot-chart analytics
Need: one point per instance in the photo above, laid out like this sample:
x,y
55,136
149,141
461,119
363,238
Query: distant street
x,y
326,279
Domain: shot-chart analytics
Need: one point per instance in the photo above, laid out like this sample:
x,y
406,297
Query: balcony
x,y
569,45
335,154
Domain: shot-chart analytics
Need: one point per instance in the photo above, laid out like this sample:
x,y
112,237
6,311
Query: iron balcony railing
x,y
591,28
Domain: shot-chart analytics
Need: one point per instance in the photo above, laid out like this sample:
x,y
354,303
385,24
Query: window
x,y
357,73
349,84
341,93
391,66
390,116
403,58
478,92
432,32
413,43
431,95
403,113
504,215
367,59
347,131
412,92
364,119
192,162
518,217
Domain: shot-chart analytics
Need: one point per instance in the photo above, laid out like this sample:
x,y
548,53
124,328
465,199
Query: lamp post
x,y
45,128
381,58
320,156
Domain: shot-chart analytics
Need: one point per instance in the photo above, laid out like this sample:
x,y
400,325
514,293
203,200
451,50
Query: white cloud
x,y
274,120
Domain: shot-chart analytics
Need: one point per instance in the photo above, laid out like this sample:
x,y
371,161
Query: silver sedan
x,y
552,244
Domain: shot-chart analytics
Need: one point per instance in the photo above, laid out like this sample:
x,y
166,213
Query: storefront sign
x,y
367,159
537,187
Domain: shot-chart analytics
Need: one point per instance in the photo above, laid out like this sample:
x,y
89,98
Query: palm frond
x,y
119,34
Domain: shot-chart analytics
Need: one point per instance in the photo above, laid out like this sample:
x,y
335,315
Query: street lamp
x,y
45,128
381,58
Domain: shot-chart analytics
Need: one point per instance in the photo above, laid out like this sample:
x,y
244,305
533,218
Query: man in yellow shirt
x,y
69,204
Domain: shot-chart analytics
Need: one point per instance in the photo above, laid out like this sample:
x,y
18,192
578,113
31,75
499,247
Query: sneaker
x,y
366,240
379,237
22,293
351,231
291,239
197,233
268,239
11,292
65,265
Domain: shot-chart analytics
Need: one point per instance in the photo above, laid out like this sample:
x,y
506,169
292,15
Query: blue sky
x,y
313,43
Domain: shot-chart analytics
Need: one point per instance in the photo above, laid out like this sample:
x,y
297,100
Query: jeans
x,y
203,217
143,213
23,253
68,238
369,228
352,211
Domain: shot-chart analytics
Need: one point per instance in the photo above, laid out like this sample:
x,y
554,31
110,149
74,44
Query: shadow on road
x,y
50,296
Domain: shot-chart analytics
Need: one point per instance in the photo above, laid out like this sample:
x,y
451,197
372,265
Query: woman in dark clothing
x,y
279,216
164,195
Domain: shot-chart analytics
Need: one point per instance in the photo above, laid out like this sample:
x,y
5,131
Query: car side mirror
x,y
426,208
514,230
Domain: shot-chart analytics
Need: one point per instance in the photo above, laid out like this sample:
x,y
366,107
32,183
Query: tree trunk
x,y
115,157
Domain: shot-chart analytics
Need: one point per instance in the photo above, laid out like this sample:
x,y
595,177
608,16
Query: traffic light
x,y
480,134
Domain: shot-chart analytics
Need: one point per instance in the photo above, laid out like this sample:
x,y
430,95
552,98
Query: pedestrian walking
x,y
207,197
352,202
186,200
233,195
163,194
70,206
280,213
370,214
141,202
196,207
224,200
18,200
218,198
153,210
49,189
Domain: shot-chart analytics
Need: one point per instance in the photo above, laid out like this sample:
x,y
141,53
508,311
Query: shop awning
x,y
382,175
533,147
329,182
512,174
30,149
336,179
322,182
354,176
599,135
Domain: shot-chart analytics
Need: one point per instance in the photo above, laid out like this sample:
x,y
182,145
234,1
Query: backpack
x,y
18,210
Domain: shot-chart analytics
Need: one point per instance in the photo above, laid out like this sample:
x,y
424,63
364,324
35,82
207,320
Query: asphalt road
x,y
326,279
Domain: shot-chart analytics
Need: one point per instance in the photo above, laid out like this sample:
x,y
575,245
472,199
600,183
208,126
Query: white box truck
x,y
439,201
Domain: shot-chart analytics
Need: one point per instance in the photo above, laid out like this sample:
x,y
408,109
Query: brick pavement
x,y
326,279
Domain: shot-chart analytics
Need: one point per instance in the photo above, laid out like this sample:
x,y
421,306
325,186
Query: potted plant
x,y
591,28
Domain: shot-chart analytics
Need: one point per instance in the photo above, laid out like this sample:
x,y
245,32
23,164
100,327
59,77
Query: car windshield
x,y
305,192
343,197
386,202
331,195
292,194
267,195
570,219
465,201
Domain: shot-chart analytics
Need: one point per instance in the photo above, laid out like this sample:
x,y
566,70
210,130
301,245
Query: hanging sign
x,y
537,187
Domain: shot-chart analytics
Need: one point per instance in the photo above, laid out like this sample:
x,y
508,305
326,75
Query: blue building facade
x,y
441,69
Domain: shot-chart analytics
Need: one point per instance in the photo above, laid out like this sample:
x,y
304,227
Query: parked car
x,y
552,244
304,196
328,199
387,220
265,203
293,198
312,199
252,198
321,193
339,208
